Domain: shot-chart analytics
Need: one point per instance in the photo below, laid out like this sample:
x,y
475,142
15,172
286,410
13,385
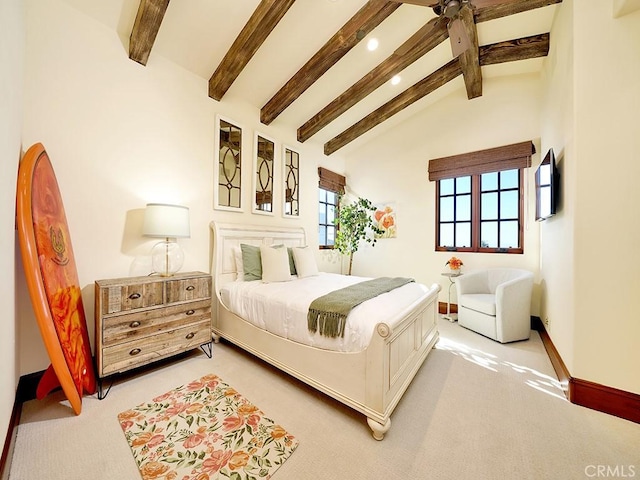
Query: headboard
x,y
229,235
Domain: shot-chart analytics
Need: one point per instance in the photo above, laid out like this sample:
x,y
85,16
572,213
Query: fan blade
x,y
417,37
460,41
421,3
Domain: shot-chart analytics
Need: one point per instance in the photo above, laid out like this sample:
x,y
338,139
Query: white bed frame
x,y
371,381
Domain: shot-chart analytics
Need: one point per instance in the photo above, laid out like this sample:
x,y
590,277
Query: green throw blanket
x,y
328,314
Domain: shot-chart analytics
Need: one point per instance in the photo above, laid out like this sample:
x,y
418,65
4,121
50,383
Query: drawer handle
x,y
134,296
190,336
135,351
190,312
134,324
190,287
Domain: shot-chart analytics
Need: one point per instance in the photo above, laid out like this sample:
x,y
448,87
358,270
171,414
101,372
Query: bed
x,y
372,378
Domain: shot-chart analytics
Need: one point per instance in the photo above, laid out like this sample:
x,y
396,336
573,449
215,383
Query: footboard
x,y
394,357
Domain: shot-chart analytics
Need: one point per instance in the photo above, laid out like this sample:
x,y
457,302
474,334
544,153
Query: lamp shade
x,y
168,221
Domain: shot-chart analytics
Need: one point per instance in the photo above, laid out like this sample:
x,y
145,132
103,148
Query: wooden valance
x,y
517,155
331,181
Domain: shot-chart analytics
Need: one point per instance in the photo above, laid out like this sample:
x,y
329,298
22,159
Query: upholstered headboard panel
x,y
229,235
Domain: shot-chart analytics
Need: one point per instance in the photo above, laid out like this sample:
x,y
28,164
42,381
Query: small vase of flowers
x,y
454,264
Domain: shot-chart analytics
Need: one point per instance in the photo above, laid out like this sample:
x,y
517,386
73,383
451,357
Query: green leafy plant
x,y
355,224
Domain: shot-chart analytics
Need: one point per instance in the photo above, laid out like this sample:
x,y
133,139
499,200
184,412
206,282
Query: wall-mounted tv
x,y
547,187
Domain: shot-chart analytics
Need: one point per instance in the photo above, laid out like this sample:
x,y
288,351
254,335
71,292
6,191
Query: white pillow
x,y
237,256
305,260
275,264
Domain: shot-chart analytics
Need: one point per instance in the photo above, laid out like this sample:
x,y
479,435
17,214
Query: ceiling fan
x,y
458,15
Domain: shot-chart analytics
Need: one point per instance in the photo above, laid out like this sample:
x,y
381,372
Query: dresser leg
x,y
101,392
207,348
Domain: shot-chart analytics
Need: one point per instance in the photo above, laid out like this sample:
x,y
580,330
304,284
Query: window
x,y
494,226
479,199
330,187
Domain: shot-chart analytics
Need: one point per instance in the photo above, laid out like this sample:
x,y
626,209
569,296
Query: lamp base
x,y
166,258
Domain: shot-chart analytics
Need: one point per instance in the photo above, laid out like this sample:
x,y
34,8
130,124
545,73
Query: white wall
x,y
597,332
121,135
11,57
392,167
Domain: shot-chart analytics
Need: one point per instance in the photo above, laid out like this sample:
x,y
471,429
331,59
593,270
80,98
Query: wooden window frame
x,y
331,182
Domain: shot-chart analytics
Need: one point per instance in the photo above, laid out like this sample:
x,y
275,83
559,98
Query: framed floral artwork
x,y
385,218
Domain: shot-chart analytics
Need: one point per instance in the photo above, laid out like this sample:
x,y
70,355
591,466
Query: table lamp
x,y
169,222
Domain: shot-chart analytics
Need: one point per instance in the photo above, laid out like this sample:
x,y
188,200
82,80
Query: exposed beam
x,y
145,29
394,64
511,8
520,49
525,48
372,80
469,59
358,27
262,22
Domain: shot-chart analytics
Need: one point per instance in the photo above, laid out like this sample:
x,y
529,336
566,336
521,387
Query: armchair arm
x,y
513,307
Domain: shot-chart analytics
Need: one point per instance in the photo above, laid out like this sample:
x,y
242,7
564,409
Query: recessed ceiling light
x,y
396,80
372,44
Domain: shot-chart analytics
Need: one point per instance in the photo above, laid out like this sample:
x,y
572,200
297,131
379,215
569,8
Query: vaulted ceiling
x,y
305,63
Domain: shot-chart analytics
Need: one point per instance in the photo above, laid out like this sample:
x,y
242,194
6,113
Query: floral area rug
x,y
203,431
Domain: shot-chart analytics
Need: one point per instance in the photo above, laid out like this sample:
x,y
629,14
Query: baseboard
x,y
442,308
590,394
26,391
10,441
605,399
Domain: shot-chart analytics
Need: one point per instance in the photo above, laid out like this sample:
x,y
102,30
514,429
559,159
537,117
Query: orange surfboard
x,y
52,279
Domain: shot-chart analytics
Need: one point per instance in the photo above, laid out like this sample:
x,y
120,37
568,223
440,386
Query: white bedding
x,y
281,308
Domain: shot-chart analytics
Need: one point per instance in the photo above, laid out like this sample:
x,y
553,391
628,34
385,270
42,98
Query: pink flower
x,y
253,420
155,440
218,459
162,397
231,423
196,385
193,440
176,409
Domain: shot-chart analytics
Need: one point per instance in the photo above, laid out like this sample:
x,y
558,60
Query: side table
x,y
452,317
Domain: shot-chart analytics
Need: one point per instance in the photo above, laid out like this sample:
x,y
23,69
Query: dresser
x,y
143,319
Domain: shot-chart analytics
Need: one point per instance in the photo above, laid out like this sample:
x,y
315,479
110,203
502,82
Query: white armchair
x,y
496,303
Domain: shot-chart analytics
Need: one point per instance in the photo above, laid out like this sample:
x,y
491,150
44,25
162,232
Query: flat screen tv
x,y
547,187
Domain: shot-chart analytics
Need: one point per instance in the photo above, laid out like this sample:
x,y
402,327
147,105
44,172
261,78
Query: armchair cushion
x,y
481,302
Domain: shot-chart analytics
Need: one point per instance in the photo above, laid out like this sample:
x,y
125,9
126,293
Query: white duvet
x,y
281,308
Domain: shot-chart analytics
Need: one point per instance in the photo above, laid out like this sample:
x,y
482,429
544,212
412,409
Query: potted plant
x,y
355,223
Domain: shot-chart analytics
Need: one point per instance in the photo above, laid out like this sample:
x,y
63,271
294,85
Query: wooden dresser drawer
x,y
127,355
181,290
122,328
122,298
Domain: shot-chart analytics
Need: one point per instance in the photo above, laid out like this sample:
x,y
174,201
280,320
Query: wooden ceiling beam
x,y
511,8
145,29
469,59
394,64
520,49
261,23
358,27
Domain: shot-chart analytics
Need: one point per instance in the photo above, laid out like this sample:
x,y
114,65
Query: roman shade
x,y
517,155
331,181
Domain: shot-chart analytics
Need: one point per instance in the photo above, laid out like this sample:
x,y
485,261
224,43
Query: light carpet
x,y
477,410
204,430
